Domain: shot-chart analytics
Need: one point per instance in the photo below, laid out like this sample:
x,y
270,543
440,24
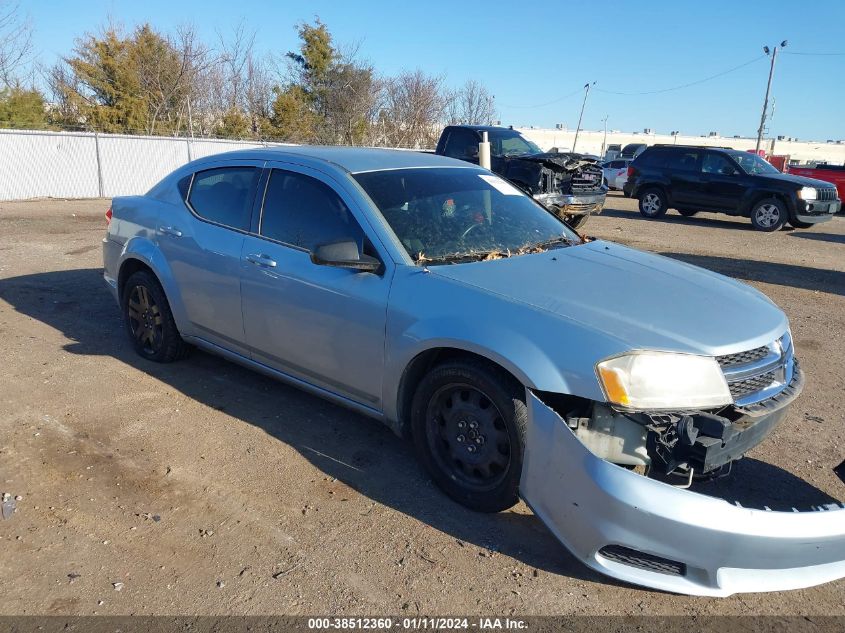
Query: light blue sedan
x,y
523,359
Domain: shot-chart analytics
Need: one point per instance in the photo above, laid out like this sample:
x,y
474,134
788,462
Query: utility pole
x,y
604,140
580,116
768,89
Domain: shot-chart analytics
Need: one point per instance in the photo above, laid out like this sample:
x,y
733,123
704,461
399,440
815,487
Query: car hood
x,y
645,301
800,181
567,161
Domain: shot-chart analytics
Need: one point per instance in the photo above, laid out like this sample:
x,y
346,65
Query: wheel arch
x,y
424,361
758,196
140,254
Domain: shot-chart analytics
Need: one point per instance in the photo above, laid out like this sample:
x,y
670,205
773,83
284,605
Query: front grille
x,y
641,560
746,387
743,358
824,195
759,373
587,178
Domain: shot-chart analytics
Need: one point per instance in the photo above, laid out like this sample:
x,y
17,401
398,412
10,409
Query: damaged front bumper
x,y
572,204
650,533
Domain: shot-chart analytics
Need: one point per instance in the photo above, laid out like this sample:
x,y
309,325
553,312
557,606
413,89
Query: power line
x,y
815,54
686,85
647,92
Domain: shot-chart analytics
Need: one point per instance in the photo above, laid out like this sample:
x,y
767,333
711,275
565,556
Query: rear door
x,y
684,172
320,324
203,248
724,184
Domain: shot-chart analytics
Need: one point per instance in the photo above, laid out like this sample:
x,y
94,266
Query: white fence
x,y
89,165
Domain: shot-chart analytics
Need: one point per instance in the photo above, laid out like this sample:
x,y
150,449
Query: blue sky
x,y
531,53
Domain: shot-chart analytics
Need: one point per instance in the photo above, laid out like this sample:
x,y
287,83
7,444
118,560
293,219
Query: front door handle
x,y
261,260
169,230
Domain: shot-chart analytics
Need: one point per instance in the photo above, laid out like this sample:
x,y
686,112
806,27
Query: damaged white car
x,y
524,360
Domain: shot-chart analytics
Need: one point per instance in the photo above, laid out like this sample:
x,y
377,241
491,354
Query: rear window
x,y
224,195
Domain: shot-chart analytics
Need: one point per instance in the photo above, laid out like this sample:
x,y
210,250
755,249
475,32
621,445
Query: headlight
x,y
662,380
808,193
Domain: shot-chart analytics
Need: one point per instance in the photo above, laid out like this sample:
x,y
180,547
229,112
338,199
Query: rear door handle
x,y
261,260
169,230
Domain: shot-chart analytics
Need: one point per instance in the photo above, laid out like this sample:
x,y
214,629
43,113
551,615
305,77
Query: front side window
x,y
717,164
302,211
511,143
447,214
224,195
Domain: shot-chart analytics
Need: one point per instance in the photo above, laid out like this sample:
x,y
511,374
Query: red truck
x,y
834,174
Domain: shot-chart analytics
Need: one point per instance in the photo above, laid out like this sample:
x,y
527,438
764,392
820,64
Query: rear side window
x,y
304,212
652,158
224,195
459,143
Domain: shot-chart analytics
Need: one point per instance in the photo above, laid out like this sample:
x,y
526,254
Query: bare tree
x,y
15,42
471,104
414,105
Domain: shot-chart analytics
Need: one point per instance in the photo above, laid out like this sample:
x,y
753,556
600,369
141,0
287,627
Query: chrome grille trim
x,y
826,194
760,373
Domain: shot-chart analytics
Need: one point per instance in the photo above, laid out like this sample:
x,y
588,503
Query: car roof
x,y
484,128
350,159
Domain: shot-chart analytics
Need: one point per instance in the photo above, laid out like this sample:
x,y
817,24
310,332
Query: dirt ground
x,y
204,488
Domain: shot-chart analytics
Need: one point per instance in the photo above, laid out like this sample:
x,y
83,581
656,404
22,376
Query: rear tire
x,y
653,203
148,320
468,422
768,215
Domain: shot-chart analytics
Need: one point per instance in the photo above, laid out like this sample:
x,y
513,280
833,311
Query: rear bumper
x,y
111,256
650,533
573,204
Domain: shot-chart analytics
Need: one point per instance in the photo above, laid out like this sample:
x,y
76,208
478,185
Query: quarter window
x,y
304,212
225,195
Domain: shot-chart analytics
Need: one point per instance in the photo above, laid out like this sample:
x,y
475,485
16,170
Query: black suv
x,y
692,179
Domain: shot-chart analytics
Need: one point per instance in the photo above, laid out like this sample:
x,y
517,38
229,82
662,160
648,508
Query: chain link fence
x,y
36,164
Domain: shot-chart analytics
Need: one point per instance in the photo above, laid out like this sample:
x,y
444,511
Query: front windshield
x,y
753,164
511,143
447,214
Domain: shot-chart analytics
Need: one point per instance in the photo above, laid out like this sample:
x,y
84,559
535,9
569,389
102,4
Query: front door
x,y
320,324
723,183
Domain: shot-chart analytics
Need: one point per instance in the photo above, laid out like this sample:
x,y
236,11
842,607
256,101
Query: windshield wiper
x,y
560,239
455,258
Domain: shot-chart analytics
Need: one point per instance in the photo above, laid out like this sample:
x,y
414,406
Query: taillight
x,y
630,171
108,216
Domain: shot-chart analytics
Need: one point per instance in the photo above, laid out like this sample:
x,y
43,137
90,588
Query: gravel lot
x,y
205,488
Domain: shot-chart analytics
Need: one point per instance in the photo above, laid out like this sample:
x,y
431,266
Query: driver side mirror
x,y
344,254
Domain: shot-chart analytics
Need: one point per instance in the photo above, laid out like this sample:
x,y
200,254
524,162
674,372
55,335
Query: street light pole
x,y
580,116
768,89
604,140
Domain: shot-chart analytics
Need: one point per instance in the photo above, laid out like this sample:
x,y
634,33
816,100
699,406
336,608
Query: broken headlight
x,y
663,380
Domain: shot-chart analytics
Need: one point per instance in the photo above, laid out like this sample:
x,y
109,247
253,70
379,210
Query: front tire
x,y
687,213
768,215
149,321
653,203
797,224
468,422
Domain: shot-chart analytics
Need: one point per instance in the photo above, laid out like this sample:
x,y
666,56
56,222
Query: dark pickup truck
x,y
568,184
